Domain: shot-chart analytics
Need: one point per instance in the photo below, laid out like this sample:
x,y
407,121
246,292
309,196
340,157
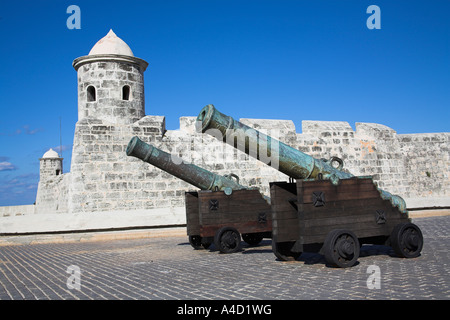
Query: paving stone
x,y
168,268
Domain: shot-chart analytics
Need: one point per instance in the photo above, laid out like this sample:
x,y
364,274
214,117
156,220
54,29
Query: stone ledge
x,y
94,236
104,220
429,213
427,203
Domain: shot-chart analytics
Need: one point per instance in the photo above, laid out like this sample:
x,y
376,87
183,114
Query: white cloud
x,y
7,166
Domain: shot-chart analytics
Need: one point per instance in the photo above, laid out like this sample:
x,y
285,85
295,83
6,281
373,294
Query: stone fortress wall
x,y
103,177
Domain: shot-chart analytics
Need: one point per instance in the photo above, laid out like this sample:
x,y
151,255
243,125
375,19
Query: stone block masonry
x,y
104,178
109,102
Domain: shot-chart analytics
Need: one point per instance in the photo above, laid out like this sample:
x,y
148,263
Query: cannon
x,y
326,209
221,211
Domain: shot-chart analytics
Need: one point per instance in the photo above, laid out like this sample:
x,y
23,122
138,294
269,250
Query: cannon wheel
x,y
282,250
197,243
252,239
341,248
407,240
227,240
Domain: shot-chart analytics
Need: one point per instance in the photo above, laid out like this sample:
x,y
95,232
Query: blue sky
x,y
299,60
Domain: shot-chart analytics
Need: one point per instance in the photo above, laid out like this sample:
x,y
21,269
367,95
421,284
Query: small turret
x,y
51,165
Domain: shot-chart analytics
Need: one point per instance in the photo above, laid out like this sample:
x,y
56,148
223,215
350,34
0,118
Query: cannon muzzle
x,y
275,153
190,173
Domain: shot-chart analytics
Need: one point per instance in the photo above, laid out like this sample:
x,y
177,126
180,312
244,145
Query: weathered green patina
x,y
275,153
192,174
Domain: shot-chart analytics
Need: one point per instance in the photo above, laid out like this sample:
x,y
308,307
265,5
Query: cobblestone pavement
x,y
167,267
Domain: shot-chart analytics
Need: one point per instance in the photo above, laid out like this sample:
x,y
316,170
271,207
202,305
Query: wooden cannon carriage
x,y
335,220
220,218
221,211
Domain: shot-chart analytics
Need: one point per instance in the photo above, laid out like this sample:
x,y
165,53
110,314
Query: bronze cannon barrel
x,y
282,157
275,153
190,173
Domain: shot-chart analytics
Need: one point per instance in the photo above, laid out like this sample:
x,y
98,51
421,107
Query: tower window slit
x,y
91,94
126,92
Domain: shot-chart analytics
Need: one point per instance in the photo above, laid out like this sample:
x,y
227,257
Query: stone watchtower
x,y
111,82
50,165
111,109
